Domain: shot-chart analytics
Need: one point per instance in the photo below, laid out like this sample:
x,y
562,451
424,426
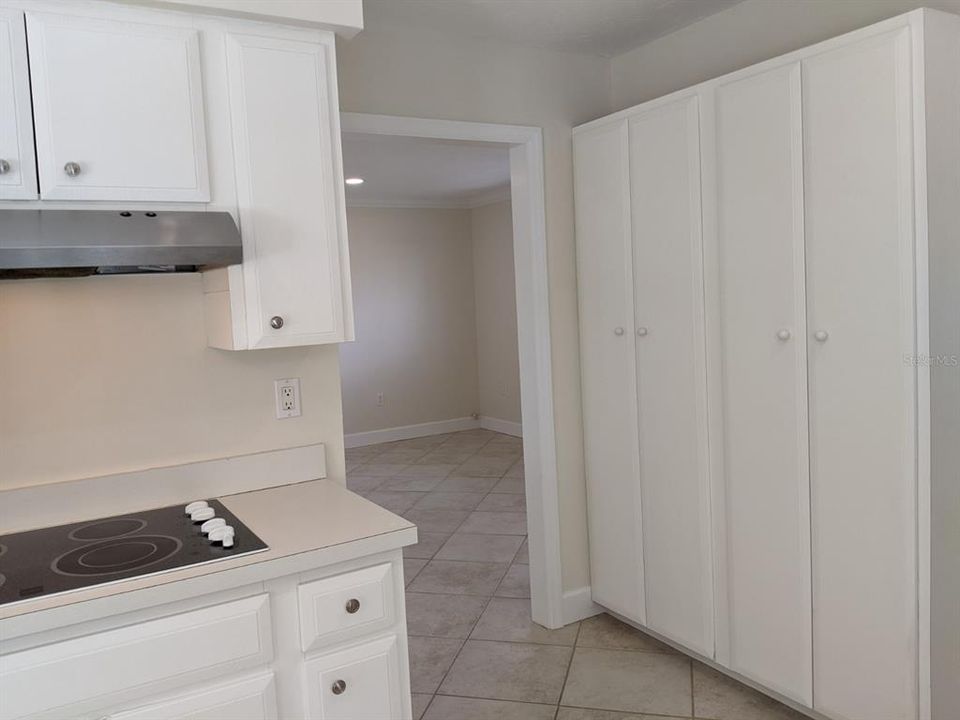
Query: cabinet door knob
x,y
339,687
72,169
353,605
783,334
642,332
618,331
821,335
4,167
276,322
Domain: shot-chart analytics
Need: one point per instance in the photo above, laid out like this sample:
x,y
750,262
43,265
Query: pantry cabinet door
x,y
608,367
754,246
671,372
119,110
857,132
18,171
290,191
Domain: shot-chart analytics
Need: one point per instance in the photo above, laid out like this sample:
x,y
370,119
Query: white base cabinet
x,y
239,654
794,273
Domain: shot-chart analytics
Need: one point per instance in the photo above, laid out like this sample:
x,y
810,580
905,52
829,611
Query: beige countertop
x,y
306,525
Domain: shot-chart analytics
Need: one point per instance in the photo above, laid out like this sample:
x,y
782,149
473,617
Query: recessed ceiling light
x,y
354,181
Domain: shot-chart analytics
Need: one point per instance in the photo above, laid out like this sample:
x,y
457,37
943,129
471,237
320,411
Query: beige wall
x,y
498,363
747,33
415,318
110,374
421,74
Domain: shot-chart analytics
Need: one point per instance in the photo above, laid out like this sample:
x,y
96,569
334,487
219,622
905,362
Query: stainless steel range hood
x,y
38,243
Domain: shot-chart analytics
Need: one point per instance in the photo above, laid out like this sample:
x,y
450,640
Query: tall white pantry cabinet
x,y
769,279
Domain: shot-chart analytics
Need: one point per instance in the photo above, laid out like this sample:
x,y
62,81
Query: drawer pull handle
x,y
353,605
72,169
339,687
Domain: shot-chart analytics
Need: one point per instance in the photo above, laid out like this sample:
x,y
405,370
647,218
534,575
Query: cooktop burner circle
x,y
116,555
104,529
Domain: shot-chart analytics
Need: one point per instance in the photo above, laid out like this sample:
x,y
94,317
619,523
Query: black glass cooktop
x,y
69,557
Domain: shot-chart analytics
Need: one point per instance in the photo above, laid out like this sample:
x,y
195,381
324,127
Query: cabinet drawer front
x,y
152,655
357,602
359,682
251,698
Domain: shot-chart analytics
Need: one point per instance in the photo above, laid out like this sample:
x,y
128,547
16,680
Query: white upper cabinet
x,y
671,376
295,287
118,109
18,174
753,182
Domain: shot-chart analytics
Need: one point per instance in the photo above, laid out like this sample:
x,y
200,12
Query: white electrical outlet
x,y
379,399
288,397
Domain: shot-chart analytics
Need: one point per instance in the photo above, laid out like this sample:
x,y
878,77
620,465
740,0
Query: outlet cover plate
x,y
287,392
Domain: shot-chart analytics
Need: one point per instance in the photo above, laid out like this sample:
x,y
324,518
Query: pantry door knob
x,y
4,167
618,331
783,334
642,332
339,687
821,335
72,169
353,605
276,322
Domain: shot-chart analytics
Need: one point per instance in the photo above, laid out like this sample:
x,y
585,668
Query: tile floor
x,y
475,654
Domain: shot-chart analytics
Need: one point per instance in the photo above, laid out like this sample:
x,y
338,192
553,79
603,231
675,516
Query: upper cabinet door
x,y
858,189
290,191
18,174
671,372
753,182
608,365
119,110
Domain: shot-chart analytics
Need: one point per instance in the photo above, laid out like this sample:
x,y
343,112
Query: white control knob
x,y
783,335
194,506
202,514
821,335
211,524
222,534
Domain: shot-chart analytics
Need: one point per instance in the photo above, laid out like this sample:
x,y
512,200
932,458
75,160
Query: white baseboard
x,y
406,432
579,605
506,427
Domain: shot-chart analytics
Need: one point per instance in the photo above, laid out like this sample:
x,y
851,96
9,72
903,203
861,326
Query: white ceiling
x,y
595,27
416,172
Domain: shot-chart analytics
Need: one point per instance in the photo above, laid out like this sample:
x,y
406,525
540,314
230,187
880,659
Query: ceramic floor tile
x,y
363,485
450,456
516,582
628,681
478,466
397,502
436,521
420,702
456,483
410,484
378,469
504,502
516,470
508,619
567,713
428,470
523,554
399,457
449,616
717,697
411,566
496,523
604,631
480,548
442,500
454,577
430,658
426,548
458,708
508,671
510,485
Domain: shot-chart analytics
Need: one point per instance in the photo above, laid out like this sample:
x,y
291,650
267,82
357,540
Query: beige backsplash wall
x,y
110,374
